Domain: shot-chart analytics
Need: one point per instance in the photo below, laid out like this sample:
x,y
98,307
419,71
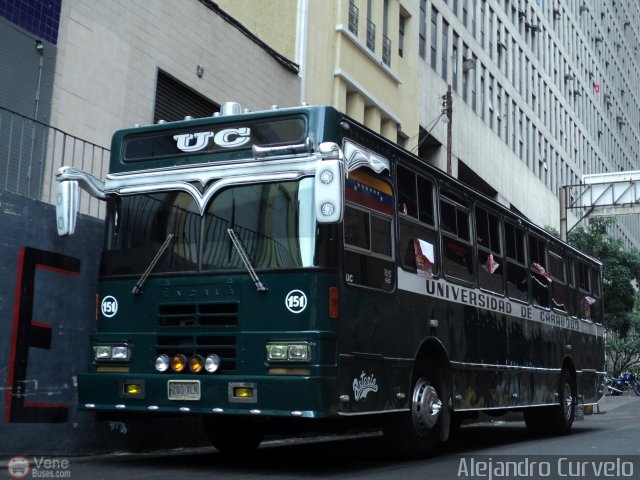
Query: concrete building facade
x,y
543,91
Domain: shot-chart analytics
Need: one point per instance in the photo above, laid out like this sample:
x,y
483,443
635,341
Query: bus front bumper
x,y
267,396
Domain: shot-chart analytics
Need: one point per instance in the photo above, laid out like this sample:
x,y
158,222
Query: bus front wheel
x,y
416,433
233,435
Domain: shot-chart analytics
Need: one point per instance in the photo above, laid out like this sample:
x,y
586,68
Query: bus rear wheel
x,y
565,413
233,435
415,433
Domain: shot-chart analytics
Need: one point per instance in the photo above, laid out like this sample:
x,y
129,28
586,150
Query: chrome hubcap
x,y
568,402
425,407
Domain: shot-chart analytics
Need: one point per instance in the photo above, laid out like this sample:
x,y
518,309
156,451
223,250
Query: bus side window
x,y
540,279
571,280
585,297
560,293
595,295
457,255
515,244
416,223
368,232
490,268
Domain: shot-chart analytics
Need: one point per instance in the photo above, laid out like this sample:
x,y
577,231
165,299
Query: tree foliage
x,y
620,271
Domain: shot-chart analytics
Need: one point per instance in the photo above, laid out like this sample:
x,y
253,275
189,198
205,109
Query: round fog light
x,y
196,364
178,362
212,363
162,362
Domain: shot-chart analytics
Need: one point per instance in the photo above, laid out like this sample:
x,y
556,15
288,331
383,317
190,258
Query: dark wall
x,y
47,312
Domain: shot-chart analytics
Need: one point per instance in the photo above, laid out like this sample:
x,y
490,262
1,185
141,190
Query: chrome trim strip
x,y
202,199
374,412
505,367
515,407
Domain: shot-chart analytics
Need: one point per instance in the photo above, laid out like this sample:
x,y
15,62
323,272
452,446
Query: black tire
x,y
636,388
233,435
564,414
415,434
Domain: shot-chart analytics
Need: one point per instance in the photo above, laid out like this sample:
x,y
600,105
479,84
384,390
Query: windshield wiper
x,y
137,288
237,243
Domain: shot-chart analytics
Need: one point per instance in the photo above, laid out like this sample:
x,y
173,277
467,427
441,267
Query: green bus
x,y
291,269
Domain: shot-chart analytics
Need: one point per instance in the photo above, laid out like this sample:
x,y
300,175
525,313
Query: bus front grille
x,y
203,322
194,314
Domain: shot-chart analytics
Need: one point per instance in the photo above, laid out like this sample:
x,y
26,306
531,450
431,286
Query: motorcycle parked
x,y
619,385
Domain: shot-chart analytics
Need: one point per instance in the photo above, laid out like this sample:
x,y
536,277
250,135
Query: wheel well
x,y
432,351
568,365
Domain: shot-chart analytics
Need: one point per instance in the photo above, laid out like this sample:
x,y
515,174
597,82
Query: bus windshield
x,y
274,221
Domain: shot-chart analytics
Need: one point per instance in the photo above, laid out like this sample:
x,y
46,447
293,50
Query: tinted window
x,y
490,261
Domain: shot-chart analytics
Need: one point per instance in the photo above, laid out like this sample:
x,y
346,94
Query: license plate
x,y
183,389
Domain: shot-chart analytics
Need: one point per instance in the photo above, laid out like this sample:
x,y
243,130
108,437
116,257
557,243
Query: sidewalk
x,y
609,402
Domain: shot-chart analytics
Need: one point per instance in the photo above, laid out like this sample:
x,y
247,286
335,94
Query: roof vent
x,y
230,108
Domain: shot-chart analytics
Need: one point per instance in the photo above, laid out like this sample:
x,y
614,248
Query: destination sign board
x,y
213,138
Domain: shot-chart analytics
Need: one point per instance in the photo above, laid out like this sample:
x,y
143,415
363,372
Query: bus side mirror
x,y
67,207
329,191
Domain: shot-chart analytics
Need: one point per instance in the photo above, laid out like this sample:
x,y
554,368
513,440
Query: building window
x,y
386,41
422,40
499,110
474,86
353,17
434,37
465,76
445,45
491,112
371,29
401,36
454,62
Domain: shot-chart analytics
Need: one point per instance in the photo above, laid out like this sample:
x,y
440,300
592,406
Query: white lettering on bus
x,y
227,138
487,301
363,385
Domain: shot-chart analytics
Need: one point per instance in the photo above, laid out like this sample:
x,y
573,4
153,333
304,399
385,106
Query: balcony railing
x,y
371,35
354,14
386,50
31,153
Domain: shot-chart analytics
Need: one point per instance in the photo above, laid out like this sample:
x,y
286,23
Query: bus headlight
x,y
288,352
120,352
102,352
116,353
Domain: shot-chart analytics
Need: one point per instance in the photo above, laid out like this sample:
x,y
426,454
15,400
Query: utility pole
x,y
448,109
563,213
